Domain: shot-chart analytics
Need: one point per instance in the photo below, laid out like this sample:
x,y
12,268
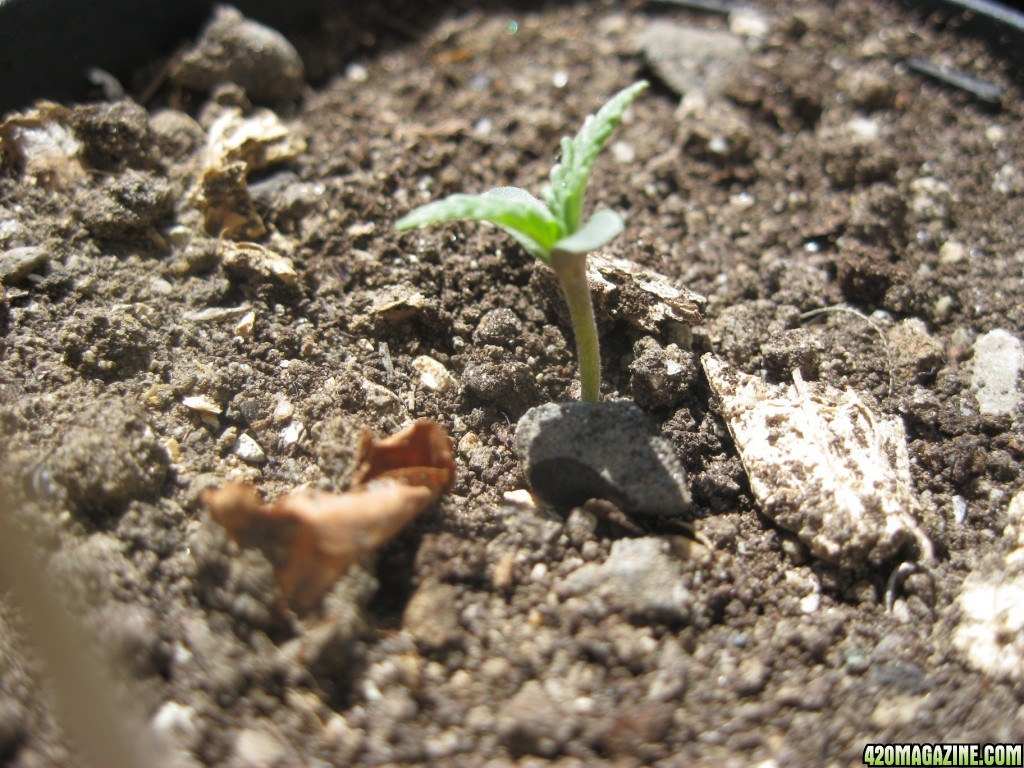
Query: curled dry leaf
x,y
257,140
237,145
42,145
312,537
228,209
420,454
252,260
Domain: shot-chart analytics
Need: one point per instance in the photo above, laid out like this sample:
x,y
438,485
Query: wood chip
x,y
255,260
623,290
258,140
822,464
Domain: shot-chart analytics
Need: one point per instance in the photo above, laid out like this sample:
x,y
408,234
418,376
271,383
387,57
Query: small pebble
x,y
293,433
580,526
356,73
433,375
245,325
17,263
202,404
640,578
749,22
248,450
176,725
259,749
283,411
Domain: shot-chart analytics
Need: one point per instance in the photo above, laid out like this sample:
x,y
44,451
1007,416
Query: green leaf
x,y
602,227
514,210
569,178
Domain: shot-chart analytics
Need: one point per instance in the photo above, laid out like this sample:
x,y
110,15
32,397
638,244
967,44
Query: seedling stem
x,y
571,269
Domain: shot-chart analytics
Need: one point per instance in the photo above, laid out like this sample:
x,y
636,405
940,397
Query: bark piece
x,y
822,464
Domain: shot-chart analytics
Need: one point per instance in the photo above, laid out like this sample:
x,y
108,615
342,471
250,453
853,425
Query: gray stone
x,y
233,49
17,263
640,578
572,452
691,58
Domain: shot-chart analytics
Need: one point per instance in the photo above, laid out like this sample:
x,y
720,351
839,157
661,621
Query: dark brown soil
x,y
458,644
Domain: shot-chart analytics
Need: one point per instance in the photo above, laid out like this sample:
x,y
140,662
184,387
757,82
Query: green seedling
x,y
550,228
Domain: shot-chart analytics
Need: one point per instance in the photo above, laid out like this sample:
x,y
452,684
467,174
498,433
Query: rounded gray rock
x,y
572,452
234,49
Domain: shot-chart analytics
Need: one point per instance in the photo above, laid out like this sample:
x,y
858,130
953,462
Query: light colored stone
x,y
205,407
433,375
749,22
259,749
283,410
17,263
990,634
995,378
990,631
248,450
688,57
176,725
640,578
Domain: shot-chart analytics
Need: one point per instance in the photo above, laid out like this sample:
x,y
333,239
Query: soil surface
x,y
842,213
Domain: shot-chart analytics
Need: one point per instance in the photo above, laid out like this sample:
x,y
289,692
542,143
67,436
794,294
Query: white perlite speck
x,y
998,360
822,464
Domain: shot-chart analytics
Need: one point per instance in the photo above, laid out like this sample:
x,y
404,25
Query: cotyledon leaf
x,y
517,212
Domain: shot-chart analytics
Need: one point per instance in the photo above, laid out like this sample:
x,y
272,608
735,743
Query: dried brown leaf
x,y
421,454
312,537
